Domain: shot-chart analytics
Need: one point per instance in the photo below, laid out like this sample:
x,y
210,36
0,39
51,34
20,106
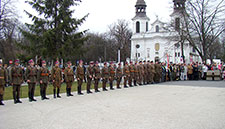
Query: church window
x,y
177,24
138,55
156,28
193,50
148,52
178,54
175,54
157,47
146,26
137,27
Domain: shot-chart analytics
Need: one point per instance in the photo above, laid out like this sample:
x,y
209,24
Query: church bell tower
x,y
140,21
178,13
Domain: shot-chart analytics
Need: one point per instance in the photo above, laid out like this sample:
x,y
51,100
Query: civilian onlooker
x,y
204,70
190,72
223,74
182,70
195,72
185,72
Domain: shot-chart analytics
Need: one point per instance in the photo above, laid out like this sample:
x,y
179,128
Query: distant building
x,y
154,42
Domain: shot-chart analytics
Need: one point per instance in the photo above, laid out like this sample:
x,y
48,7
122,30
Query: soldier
x,y
131,78
69,78
90,76
105,76
56,79
148,72
111,75
158,71
135,73
43,79
119,75
3,81
97,74
152,73
16,78
145,77
80,76
31,79
140,73
126,73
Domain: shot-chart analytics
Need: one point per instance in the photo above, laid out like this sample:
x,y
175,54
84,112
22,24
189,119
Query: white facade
x,y
157,43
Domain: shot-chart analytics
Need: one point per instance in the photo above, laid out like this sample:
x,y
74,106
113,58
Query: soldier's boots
x,y
44,94
1,99
125,86
104,89
1,103
54,92
111,86
32,96
70,92
89,92
29,95
79,90
58,91
135,83
67,92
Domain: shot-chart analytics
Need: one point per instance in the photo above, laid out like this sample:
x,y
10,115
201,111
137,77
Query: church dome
x,y
140,2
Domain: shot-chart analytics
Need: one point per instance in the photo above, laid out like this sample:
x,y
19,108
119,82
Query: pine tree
x,y
54,32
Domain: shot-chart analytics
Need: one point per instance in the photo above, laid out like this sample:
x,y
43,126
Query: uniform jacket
x,y
80,72
16,75
43,75
31,74
69,75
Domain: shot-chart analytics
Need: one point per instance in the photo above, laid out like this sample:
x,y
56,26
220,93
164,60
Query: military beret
x,y
17,61
105,63
80,61
57,62
69,62
31,61
43,62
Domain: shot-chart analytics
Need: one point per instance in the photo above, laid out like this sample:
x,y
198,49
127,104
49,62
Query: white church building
x,y
154,42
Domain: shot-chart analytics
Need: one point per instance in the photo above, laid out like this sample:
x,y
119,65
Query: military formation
x,y
132,74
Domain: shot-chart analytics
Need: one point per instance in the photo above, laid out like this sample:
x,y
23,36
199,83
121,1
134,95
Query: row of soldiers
x,y
141,73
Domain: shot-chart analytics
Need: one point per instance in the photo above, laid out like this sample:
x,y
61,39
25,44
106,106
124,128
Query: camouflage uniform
x,y
90,76
132,72
152,73
126,73
16,78
135,74
56,76
105,76
97,74
69,78
111,76
140,73
119,75
3,81
43,76
145,77
80,78
31,75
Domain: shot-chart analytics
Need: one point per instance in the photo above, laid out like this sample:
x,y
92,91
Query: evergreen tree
x,y
54,32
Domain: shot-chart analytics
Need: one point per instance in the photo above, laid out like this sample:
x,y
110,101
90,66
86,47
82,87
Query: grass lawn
x,y
24,90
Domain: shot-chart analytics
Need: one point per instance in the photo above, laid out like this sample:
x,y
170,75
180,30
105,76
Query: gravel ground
x,y
170,105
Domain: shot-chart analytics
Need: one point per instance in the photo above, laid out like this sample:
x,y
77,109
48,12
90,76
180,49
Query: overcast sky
x,y
105,12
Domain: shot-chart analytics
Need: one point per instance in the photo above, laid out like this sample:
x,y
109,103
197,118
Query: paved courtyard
x,y
170,105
